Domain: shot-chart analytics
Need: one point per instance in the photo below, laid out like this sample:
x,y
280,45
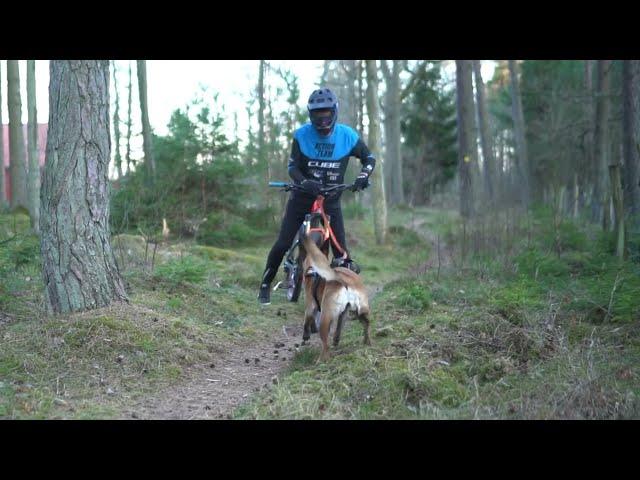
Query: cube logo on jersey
x,y
324,150
315,163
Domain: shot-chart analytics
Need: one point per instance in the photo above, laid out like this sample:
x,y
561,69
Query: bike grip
x,y
277,184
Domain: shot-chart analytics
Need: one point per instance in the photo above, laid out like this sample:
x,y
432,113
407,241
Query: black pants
x,y
297,208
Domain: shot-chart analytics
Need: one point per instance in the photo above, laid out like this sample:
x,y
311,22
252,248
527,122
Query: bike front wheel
x,y
294,280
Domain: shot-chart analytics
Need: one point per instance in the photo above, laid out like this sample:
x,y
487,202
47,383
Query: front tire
x,y
294,281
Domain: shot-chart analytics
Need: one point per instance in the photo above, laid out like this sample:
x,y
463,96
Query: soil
x,y
213,390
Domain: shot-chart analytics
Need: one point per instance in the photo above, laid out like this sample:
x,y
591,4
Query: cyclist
x,y
319,156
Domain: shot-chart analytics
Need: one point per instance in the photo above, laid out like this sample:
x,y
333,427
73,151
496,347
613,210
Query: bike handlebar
x,y
323,190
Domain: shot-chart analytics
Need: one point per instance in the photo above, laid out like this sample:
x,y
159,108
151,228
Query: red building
x,y
42,145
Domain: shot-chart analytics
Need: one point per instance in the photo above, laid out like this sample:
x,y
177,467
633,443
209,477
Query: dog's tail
x,y
319,262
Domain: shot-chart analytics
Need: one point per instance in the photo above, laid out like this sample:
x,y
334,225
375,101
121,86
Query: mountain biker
x,y
319,157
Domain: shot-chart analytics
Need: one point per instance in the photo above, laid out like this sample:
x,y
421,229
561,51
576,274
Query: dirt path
x,y
441,254
215,389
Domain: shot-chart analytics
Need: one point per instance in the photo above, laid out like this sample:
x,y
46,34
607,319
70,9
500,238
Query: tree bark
x,y
116,121
500,178
250,137
522,161
631,140
79,267
361,102
589,171
373,141
392,113
351,68
270,132
262,161
129,123
360,99
601,198
17,157
467,153
485,137
576,195
32,147
616,190
3,193
147,144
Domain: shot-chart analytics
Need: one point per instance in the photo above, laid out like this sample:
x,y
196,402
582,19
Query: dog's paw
x,y
324,357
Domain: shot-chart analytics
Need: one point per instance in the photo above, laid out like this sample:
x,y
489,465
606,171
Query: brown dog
x,y
339,292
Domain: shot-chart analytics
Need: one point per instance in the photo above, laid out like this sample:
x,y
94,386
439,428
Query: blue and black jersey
x,y
325,159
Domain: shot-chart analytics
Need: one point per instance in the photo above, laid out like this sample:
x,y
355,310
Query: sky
x,y
232,79
173,84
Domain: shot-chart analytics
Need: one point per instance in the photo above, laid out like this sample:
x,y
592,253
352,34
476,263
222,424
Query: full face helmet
x,y
323,110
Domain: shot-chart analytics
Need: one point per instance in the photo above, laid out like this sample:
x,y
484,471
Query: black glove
x,y
361,182
311,186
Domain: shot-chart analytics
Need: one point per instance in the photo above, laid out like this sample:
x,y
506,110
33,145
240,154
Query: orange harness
x,y
327,231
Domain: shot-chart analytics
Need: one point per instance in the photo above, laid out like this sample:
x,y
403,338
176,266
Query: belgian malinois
x,y
330,298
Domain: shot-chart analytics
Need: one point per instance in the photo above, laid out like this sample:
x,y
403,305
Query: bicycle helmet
x,y
323,110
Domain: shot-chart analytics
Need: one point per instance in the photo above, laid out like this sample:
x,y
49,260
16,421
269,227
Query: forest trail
x,y
213,390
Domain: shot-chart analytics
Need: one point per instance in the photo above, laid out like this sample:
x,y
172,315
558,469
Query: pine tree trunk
x,y
589,171
393,156
263,159
601,194
270,133
522,162
360,99
485,137
358,199
79,267
500,177
17,157
147,144
421,195
129,122
32,147
618,206
352,70
116,121
467,153
250,137
373,141
261,107
3,193
631,140
576,195
349,110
